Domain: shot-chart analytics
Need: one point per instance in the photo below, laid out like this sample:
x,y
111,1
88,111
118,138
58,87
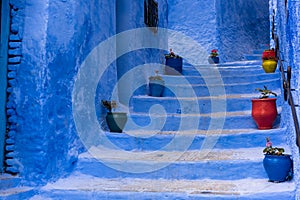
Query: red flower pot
x,y
268,54
264,112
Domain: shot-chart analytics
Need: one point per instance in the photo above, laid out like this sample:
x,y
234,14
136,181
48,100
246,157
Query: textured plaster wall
x,y
54,38
195,19
243,26
288,30
57,36
130,15
233,27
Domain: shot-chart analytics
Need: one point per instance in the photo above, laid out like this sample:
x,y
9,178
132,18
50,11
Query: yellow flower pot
x,y
269,66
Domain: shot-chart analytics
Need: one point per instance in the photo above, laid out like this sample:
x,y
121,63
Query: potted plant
x,y
264,110
269,61
156,85
173,64
115,120
278,165
214,57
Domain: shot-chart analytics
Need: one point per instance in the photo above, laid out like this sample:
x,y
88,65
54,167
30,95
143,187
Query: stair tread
x,y
87,183
228,96
222,84
198,132
234,64
201,155
13,191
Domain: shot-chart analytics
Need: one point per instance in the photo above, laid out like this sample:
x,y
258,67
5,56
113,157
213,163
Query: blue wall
x,y
287,29
130,15
233,27
55,42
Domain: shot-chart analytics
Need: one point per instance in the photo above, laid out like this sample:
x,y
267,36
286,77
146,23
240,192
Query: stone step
x,y
9,181
258,51
143,140
177,122
214,80
172,105
79,186
222,71
200,90
252,56
16,193
221,164
227,65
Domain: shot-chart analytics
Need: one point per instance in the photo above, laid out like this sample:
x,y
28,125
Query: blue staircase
x,y
198,141
11,188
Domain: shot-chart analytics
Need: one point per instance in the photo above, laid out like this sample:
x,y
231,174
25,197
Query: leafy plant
x,y
265,93
269,150
109,105
171,54
214,53
156,77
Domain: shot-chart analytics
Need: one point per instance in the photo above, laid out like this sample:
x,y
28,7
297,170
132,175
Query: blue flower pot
x,y
213,60
156,88
278,168
173,66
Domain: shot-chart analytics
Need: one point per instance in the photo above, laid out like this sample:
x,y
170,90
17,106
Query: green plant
x,y
265,93
270,150
171,54
109,105
156,77
214,53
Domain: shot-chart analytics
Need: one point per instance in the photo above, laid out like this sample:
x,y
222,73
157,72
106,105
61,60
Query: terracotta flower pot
x,y
264,112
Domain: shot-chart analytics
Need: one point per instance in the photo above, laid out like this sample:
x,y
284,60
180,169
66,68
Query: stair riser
x,y
169,80
203,90
94,195
173,123
173,106
258,51
222,170
18,195
234,72
9,182
252,57
229,141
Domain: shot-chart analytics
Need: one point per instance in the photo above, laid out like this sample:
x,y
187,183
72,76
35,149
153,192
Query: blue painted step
x,y
252,56
143,140
217,165
258,51
9,181
76,188
199,90
173,105
190,71
175,122
214,80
